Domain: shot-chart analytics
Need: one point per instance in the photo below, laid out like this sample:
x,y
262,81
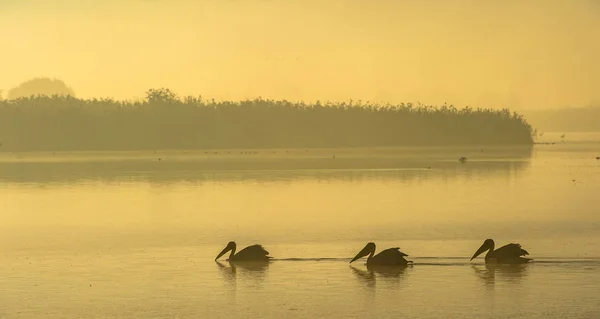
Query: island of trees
x,y
164,121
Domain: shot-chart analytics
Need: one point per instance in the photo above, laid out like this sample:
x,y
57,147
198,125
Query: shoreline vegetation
x,y
163,121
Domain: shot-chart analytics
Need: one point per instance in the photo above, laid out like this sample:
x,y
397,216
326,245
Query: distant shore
x,y
567,119
164,121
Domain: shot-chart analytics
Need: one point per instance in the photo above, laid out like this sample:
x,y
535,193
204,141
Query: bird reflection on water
x,y
504,272
369,276
253,269
253,260
249,266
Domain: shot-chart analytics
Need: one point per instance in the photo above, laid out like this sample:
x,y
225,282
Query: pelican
x,y
507,254
388,257
250,253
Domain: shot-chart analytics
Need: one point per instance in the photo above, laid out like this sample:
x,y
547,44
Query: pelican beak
x,y
365,251
479,251
226,249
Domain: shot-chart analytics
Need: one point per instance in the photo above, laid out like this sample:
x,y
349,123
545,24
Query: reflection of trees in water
x,y
369,276
489,273
418,165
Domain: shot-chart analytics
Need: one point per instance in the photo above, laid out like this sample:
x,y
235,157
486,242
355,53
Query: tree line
x,y
164,121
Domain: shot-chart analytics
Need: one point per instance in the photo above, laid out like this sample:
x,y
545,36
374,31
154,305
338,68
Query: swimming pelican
x,y
388,257
507,254
250,253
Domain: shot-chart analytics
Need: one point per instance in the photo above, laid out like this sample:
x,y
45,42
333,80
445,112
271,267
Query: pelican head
x,y
230,246
369,249
488,244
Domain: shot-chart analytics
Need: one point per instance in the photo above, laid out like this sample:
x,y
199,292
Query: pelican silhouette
x,y
507,254
388,257
250,253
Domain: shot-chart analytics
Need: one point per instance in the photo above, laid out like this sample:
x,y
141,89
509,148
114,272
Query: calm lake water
x,y
135,234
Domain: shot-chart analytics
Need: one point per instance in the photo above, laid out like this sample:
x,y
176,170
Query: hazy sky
x,y
521,54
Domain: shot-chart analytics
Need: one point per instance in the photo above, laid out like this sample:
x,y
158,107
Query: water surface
x,y
134,235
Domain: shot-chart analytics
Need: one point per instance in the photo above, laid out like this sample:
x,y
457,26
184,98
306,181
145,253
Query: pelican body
x,y
387,257
507,254
250,253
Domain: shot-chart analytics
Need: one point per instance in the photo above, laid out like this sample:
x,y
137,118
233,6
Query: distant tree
x,y
161,95
40,86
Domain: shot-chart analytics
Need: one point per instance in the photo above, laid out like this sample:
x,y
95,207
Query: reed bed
x,y
165,121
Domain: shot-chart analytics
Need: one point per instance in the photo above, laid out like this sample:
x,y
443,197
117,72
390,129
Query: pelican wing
x,y
510,251
390,256
253,252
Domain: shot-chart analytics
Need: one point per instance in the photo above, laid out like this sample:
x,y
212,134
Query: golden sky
x,y
514,53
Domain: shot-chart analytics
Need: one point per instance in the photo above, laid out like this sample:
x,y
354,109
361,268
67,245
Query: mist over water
x,y
122,234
